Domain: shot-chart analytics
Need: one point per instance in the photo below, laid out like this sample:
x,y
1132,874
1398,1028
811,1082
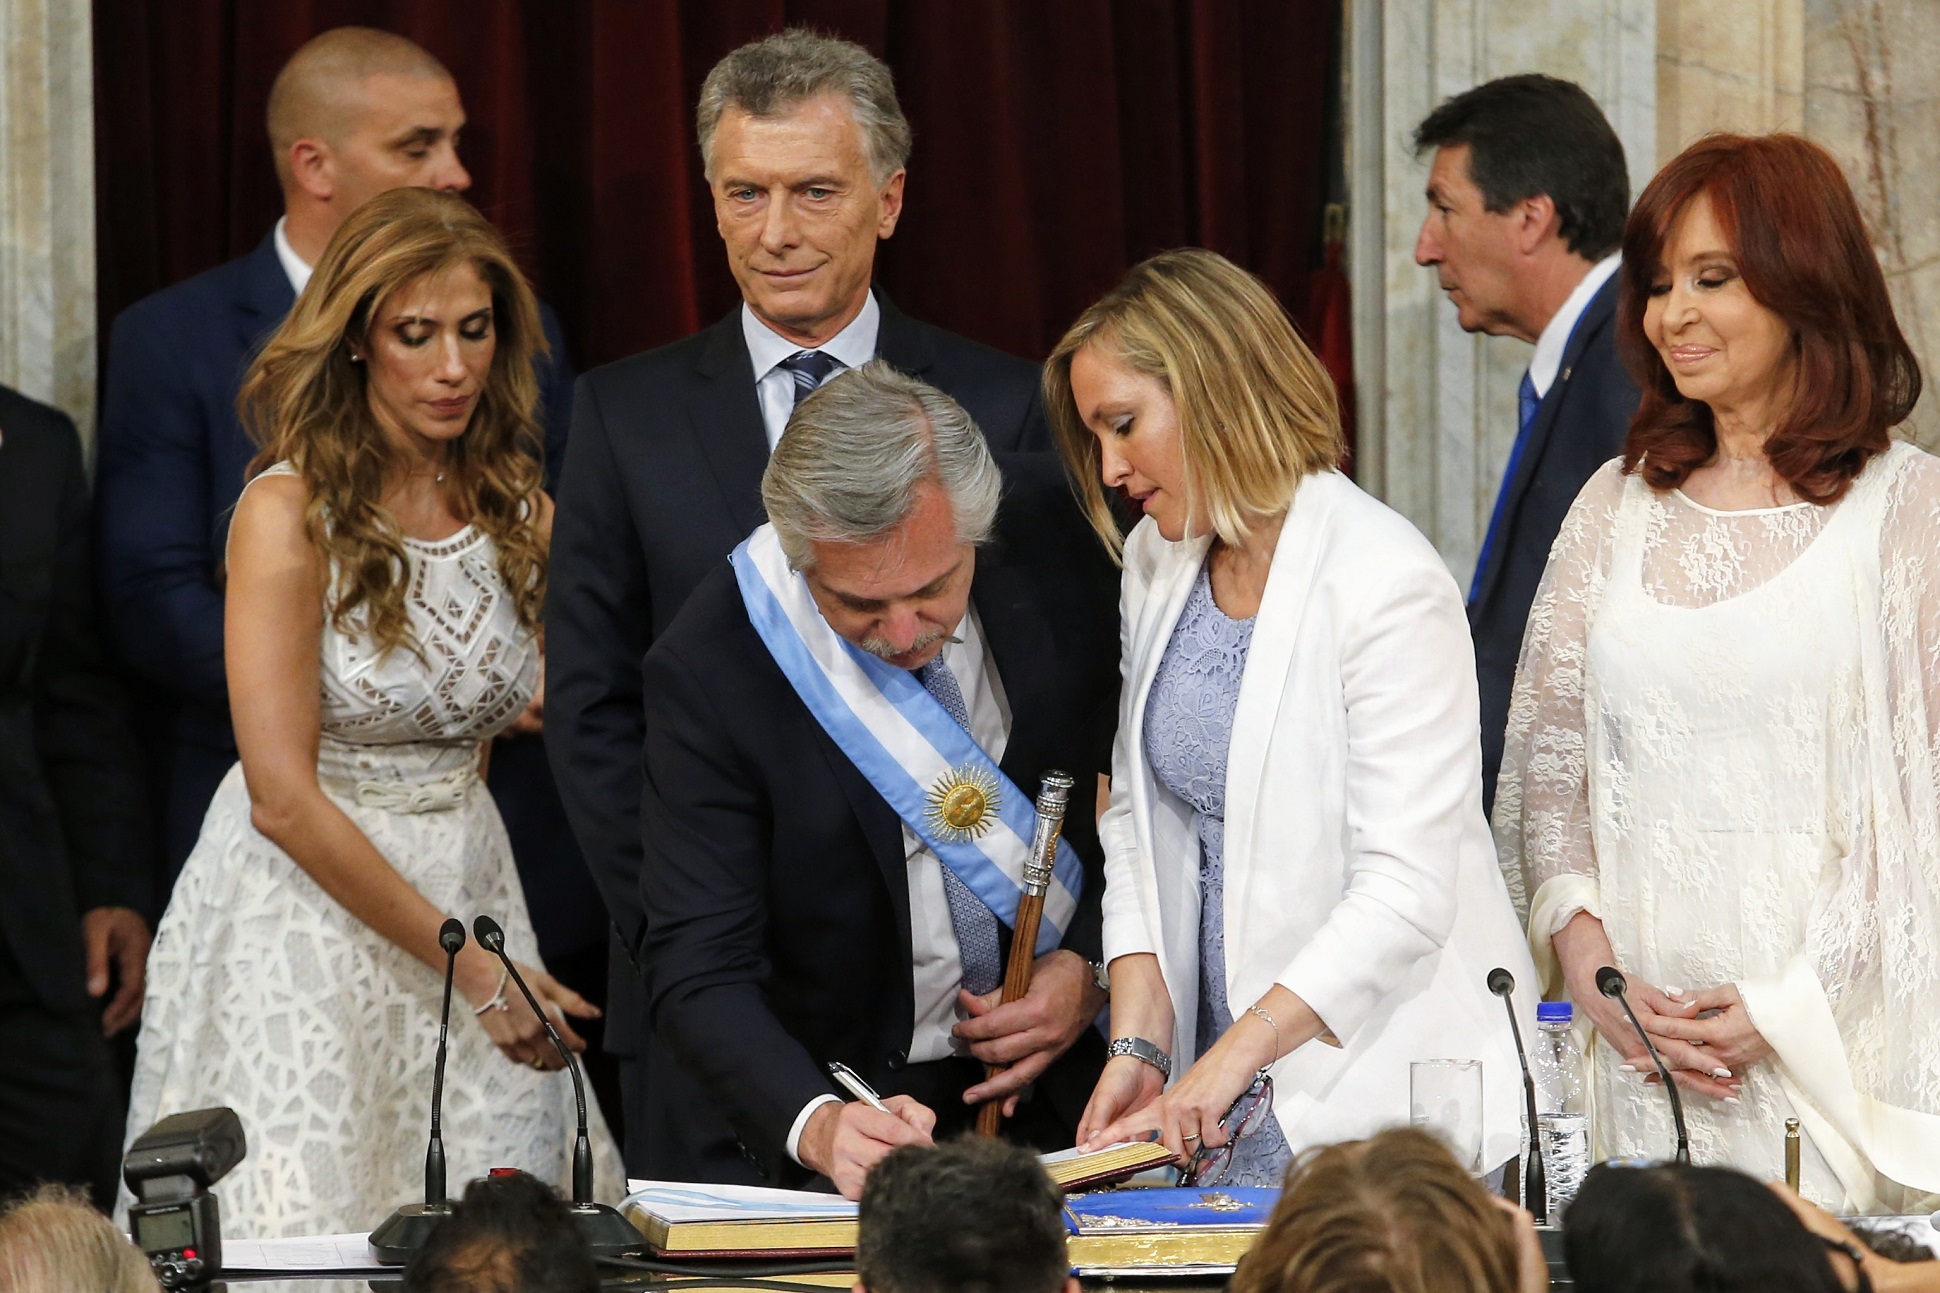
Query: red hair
x,y
1789,219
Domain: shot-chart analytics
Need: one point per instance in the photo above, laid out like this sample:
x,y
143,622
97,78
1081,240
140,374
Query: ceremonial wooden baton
x,y
1053,794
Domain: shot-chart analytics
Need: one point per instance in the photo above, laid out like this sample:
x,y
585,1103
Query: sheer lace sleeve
x,y
1542,819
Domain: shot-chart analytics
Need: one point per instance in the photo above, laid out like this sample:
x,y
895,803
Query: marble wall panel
x,y
47,309
1872,96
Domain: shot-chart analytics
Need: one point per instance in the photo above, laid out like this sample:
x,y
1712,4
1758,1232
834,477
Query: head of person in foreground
x,y
53,1241
1394,1213
1675,1228
509,1234
973,1215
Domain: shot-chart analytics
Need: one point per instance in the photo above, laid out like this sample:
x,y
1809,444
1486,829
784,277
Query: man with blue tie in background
x,y
1526,203
354,113
803,145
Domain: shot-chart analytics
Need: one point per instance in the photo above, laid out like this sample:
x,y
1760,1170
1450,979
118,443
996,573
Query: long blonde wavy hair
x,y
304,402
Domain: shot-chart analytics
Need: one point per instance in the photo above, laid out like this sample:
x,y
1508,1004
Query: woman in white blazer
x,y
1299,878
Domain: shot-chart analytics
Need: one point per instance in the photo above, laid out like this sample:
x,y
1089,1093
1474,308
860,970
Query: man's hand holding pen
x,y
843,1141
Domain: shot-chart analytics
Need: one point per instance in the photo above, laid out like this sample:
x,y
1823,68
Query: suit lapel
x,y
1596,317
880,826
899,341
264,300
1269,660
726,420
1023,651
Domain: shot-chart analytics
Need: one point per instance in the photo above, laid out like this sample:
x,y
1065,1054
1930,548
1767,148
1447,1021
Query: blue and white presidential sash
x,y
936,777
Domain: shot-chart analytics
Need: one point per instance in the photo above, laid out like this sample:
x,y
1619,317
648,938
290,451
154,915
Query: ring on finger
x,y
538,1062
1190,1136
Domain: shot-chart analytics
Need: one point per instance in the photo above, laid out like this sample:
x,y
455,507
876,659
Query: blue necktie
x,y
1527,403
978,941
809,368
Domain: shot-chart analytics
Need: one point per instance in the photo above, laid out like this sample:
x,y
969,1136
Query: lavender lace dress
x,y
1188,729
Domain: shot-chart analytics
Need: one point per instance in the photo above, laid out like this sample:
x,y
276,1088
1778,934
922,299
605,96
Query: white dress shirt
x,y
1543,365
774,386
936,963
294,265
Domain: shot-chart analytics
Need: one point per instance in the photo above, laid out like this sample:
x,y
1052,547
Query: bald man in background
x,y
354,113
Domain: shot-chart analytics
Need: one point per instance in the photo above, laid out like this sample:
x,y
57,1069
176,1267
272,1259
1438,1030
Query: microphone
x,y
1535,1183
1610,982
606,1232
407,1229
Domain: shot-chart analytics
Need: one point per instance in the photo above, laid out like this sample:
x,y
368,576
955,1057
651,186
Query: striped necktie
x,y
978,941
809,368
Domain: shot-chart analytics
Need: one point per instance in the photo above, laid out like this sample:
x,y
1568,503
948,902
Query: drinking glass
x,y
1445,1097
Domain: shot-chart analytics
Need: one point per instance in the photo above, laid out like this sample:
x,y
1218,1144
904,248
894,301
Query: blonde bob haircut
x,y
304,402
1256,410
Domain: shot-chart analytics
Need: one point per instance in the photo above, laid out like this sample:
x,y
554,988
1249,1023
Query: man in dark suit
x,y
354,113
804,147
803,904
1526,204
76,865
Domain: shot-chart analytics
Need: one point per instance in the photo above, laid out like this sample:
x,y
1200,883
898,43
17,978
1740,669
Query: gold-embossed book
x,y
1134,1232
680,1219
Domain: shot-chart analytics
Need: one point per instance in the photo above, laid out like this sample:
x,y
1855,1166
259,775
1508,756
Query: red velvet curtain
x,y
1057,142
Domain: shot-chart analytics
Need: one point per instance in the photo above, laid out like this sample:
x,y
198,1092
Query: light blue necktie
x,y
978,934
809,368
1527,403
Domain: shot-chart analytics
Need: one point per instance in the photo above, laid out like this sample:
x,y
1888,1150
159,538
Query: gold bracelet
x,y
498,1001
1255,1010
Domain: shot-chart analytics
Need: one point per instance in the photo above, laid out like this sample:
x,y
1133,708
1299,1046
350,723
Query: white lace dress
x,y
267,996
1722,743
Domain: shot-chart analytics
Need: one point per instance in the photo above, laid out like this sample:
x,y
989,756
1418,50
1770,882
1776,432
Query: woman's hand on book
x,y
1127,1085
843,1141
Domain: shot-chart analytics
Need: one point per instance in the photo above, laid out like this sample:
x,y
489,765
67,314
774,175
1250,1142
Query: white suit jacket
x,y
1359,869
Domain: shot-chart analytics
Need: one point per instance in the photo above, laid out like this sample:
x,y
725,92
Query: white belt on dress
x,y
439,796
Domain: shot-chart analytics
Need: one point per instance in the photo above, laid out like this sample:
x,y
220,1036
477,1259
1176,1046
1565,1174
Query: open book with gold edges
x,y
686,1220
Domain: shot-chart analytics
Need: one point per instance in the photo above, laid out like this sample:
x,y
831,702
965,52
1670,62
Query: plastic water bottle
x,y
1563,1128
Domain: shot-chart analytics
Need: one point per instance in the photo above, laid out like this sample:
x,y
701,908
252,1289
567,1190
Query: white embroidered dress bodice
x,y
266,995
1722,744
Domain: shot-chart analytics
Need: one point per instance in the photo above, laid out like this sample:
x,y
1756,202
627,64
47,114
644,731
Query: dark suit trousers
x,y
62,1105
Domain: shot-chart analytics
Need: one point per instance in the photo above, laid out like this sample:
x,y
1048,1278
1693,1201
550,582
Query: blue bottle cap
x,y
1554,1011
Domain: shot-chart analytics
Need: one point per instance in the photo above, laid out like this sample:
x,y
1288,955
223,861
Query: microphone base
x,y
405,1231
605,1231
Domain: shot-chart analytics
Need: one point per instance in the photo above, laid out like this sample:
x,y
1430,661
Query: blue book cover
x,y
1167,1209
1131,1230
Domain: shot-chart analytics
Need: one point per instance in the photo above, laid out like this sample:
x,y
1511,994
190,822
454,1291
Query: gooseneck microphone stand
x,y
605,1231
1535,1182
406,1230
1610,982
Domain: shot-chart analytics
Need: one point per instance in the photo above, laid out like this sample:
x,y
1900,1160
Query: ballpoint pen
x,y
855,1086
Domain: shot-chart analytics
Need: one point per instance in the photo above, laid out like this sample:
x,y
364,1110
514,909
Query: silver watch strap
x,y
1140,1049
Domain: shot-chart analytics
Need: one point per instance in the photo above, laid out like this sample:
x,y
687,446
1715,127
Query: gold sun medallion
x,y
962,804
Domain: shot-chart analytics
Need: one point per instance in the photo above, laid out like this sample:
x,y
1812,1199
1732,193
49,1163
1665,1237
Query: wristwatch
x,y
1140,1049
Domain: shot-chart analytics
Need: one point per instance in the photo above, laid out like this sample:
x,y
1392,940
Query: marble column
x,y
47,303
1437,406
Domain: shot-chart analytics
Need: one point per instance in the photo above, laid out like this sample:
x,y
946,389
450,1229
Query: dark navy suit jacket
x,y
171,462
775,884
662,480
1580,426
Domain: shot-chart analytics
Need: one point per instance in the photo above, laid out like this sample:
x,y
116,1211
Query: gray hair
x,y
772,77
849,464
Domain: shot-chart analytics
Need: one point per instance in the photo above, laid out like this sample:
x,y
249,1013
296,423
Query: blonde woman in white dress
x,y
1721,767
385,577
